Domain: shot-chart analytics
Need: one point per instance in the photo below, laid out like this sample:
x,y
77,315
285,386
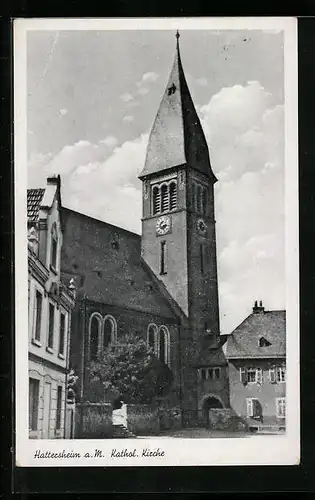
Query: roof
x,y
177,138
105,262
34,199
243,342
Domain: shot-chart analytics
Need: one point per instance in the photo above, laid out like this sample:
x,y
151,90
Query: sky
x,y
92,97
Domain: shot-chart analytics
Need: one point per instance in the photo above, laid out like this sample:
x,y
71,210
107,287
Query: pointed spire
x,y
177,138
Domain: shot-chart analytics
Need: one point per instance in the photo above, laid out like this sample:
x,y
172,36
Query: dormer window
x,y
264,342
54,247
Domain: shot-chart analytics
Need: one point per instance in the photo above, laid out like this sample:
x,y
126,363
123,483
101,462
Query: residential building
x,y
50,303
256,352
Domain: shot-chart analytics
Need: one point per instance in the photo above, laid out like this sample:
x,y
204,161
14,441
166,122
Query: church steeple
x,y
177,138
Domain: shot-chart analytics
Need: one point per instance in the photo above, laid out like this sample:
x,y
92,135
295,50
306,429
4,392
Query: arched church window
x,y
95,335
152,337
199,200
173,195
54,246
109,331
156,195
164,198
164,345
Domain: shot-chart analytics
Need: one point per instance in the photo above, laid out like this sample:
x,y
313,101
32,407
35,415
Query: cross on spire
x,y
177,35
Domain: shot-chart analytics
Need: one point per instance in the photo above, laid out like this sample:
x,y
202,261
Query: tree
x,y
129,369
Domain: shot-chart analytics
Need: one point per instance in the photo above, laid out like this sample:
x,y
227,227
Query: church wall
x,y
104,261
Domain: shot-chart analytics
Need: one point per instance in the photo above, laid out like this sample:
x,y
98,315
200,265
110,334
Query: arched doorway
x,y
209,403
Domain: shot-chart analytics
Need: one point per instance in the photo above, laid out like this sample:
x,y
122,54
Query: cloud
x,y
110,141
149,77
142,90
245,137
126,97
128,118
202,82
63,112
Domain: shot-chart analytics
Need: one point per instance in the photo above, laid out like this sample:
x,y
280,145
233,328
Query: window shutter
x,y
243,375
259,376
249,409
272,375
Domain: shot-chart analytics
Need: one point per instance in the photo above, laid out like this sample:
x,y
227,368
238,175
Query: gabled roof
x,y
243,342
34,199
177,138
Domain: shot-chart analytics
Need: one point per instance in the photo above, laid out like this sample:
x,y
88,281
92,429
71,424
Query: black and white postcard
x,y
156,220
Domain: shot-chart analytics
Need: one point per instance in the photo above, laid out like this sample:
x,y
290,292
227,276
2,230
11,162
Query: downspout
x,y
180,375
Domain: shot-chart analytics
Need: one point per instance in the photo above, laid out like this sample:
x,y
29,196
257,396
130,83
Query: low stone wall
x,y
226,419
170,418
142,420
93,421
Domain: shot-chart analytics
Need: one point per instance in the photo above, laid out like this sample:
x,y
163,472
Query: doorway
x,y
209,403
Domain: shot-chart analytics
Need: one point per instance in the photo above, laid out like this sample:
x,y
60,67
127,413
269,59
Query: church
x,y
163,284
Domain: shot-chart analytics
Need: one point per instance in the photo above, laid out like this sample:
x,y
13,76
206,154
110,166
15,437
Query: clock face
x,y
201,226
163,225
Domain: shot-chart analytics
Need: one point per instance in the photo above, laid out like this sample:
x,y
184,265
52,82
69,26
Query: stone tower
x,y
178,225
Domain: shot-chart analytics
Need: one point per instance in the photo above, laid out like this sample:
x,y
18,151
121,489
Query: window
x,y
272,375
54,246
201,252
110,329
156,200
204,201
33,403
252,407
280,374
251,375
95,328
58,411
264,342
62,328
38,315
193,197
280,405
214,373
199,201
203,373
151,337
173,195
164,198
164,344
51,326
163,264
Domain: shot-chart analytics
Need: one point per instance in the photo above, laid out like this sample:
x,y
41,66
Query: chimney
x,y
258,308
54,180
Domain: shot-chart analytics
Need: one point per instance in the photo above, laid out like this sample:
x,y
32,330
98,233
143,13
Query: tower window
x,y
156,200
173,195
201,250
193,197
163,267
199,200
164,198
204,201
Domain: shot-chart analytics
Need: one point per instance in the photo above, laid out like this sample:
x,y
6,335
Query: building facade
x,y
256,352
50,304
161,285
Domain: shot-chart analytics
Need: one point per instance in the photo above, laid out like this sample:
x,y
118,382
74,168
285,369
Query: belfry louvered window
x,y
199,200
156,200
173,195
164,198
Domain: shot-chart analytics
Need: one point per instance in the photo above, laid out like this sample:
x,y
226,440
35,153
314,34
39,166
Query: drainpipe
x,y
180,375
